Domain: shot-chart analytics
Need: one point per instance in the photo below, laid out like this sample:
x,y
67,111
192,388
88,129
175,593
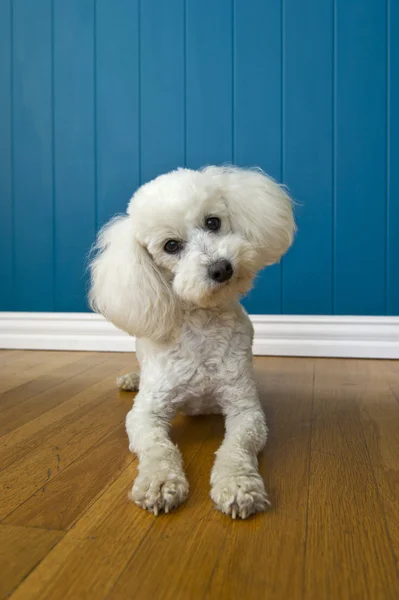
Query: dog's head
x,y
190,238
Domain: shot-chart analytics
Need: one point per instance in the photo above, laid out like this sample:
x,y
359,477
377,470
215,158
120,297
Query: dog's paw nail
x,y
240,496
155,510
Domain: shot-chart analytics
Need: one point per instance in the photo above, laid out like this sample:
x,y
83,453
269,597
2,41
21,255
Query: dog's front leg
x,y
236,485
161,483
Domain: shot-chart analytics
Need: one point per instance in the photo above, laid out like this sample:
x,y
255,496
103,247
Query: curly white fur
x,y
193,337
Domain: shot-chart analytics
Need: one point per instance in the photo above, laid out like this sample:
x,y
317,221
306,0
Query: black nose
x,y
221,271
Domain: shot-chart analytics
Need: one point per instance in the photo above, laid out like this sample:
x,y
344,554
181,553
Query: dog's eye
x,y
172,246
213,223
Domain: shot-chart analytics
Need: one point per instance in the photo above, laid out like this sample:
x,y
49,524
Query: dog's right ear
x,y
126,285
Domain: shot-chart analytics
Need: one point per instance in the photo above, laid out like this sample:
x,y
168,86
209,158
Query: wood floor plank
x,y
71,379
7,355
34,380
4,352
60,503
98,548
25,366
390,372
379,412
348,554
86,565
17,361
100,381
37,468
21,549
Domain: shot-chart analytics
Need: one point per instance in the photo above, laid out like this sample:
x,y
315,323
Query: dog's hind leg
x,y
129,382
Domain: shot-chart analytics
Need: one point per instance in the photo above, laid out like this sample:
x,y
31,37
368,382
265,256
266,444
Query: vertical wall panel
x,y
117,105
32,143
6,209
393,170
73,136
361,98
308,148
257,113
209,82
162,86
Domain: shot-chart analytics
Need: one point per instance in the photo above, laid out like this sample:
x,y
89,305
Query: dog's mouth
x,y
219,285
239,284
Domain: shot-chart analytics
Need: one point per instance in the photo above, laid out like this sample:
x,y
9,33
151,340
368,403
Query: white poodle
x,y
170,272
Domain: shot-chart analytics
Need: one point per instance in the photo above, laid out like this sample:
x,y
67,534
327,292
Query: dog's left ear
x,y
127,287
260,210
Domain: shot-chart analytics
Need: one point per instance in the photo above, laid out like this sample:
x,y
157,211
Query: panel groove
x,y
185,81
334,161
139,141
393,159
95,143
388,164
361,157
53,165
12,150
307,168
282,167
233,79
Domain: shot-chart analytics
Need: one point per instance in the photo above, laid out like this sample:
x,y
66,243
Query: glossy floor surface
x,y
68,531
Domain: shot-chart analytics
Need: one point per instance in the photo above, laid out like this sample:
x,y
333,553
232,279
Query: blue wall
x,y
99,96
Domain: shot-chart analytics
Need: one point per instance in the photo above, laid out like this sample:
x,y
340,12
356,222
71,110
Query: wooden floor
x,y
68,531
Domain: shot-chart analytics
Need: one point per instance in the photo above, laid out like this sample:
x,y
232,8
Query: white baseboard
x,y
280,335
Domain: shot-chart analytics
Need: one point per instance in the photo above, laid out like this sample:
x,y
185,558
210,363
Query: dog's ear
x,y
260,210
126,285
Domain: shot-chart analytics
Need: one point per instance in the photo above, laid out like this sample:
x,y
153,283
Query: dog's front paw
x,y
159,492
240,495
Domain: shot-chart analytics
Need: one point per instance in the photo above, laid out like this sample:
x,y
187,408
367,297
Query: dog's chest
x,y
210,349
207,341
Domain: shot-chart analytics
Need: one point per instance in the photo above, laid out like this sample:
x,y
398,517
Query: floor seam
x,y
309,476
379,500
